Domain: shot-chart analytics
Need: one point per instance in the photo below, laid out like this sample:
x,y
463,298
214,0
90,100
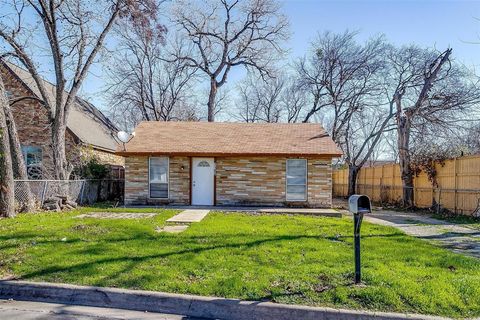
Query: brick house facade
x,y
33,126
262,171
253,181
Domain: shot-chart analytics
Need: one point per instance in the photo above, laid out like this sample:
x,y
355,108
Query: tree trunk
x,y
352,178
403,132
7,196
211,100
18,163
58,150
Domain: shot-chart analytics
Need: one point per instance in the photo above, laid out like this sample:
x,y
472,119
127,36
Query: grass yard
x,y
464,221
287,259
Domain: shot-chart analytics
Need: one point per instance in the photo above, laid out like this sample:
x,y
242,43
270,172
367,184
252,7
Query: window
x,y
158,172
203,164
33,161
296,180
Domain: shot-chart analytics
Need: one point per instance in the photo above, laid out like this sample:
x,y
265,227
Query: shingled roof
x,y
230,139
85,121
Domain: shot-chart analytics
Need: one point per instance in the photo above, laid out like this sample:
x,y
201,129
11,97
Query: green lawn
x,y
288,259
464,221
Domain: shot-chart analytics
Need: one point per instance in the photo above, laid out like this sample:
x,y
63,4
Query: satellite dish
x,y
123,136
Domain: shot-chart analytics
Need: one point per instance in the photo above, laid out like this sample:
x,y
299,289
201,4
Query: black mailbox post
x,y
358,205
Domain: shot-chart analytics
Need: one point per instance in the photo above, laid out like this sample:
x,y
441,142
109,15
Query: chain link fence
x,y
83,192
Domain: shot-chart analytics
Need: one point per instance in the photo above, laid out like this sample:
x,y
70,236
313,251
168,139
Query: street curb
x,y
189,305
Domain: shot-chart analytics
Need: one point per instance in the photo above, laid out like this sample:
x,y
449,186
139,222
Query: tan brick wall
x,y
31,119
319,182
136,181
261,181
239,181
251,181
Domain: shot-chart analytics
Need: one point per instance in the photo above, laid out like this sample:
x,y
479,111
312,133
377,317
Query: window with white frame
x,y
158,180
296,180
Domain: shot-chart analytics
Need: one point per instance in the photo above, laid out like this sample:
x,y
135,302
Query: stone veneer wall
x,y
136,181
239,181
261,181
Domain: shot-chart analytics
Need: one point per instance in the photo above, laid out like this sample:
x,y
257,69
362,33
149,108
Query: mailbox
x,y
359,204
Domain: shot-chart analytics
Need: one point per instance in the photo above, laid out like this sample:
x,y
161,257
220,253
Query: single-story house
x,y
214,163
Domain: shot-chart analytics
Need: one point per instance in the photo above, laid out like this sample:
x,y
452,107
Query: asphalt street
x,y
26,310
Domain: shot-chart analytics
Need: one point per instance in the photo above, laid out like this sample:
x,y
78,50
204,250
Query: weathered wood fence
x,y
458,187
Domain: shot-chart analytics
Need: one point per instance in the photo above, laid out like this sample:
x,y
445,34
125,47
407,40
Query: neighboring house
x,y
89,131
211,163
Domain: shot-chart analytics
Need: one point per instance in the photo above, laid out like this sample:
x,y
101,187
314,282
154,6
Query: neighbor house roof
x,y
85,121
223,138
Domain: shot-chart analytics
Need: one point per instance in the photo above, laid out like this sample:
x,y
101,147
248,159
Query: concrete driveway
x,y
456,237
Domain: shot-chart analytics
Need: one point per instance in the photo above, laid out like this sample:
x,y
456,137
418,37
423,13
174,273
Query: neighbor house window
x,y
296,180
33,161
158,172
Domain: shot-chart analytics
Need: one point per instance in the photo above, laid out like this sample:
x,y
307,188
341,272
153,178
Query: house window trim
x,y
306,181
168,179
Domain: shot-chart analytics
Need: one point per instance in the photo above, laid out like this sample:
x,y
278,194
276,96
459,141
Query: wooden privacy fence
x,y
458,187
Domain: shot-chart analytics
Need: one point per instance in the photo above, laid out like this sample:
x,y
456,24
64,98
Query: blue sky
x,y
429,23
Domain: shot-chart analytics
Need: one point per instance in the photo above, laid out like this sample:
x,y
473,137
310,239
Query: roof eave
x,y
228,154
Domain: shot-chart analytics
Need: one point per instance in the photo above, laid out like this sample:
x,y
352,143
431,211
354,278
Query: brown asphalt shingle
x,y
228,138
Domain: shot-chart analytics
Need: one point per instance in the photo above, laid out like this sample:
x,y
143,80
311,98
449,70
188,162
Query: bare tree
x,y
7,197
18,164
143,84
276,99
228,33
75,32
471,138
260,101
337,73
294,99
363,132
344,81
428,89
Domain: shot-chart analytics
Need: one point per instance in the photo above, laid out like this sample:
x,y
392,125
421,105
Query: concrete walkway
x,y
28,310
189,216
182,221
252,209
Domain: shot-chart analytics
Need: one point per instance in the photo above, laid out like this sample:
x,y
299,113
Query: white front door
x,y
203,171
